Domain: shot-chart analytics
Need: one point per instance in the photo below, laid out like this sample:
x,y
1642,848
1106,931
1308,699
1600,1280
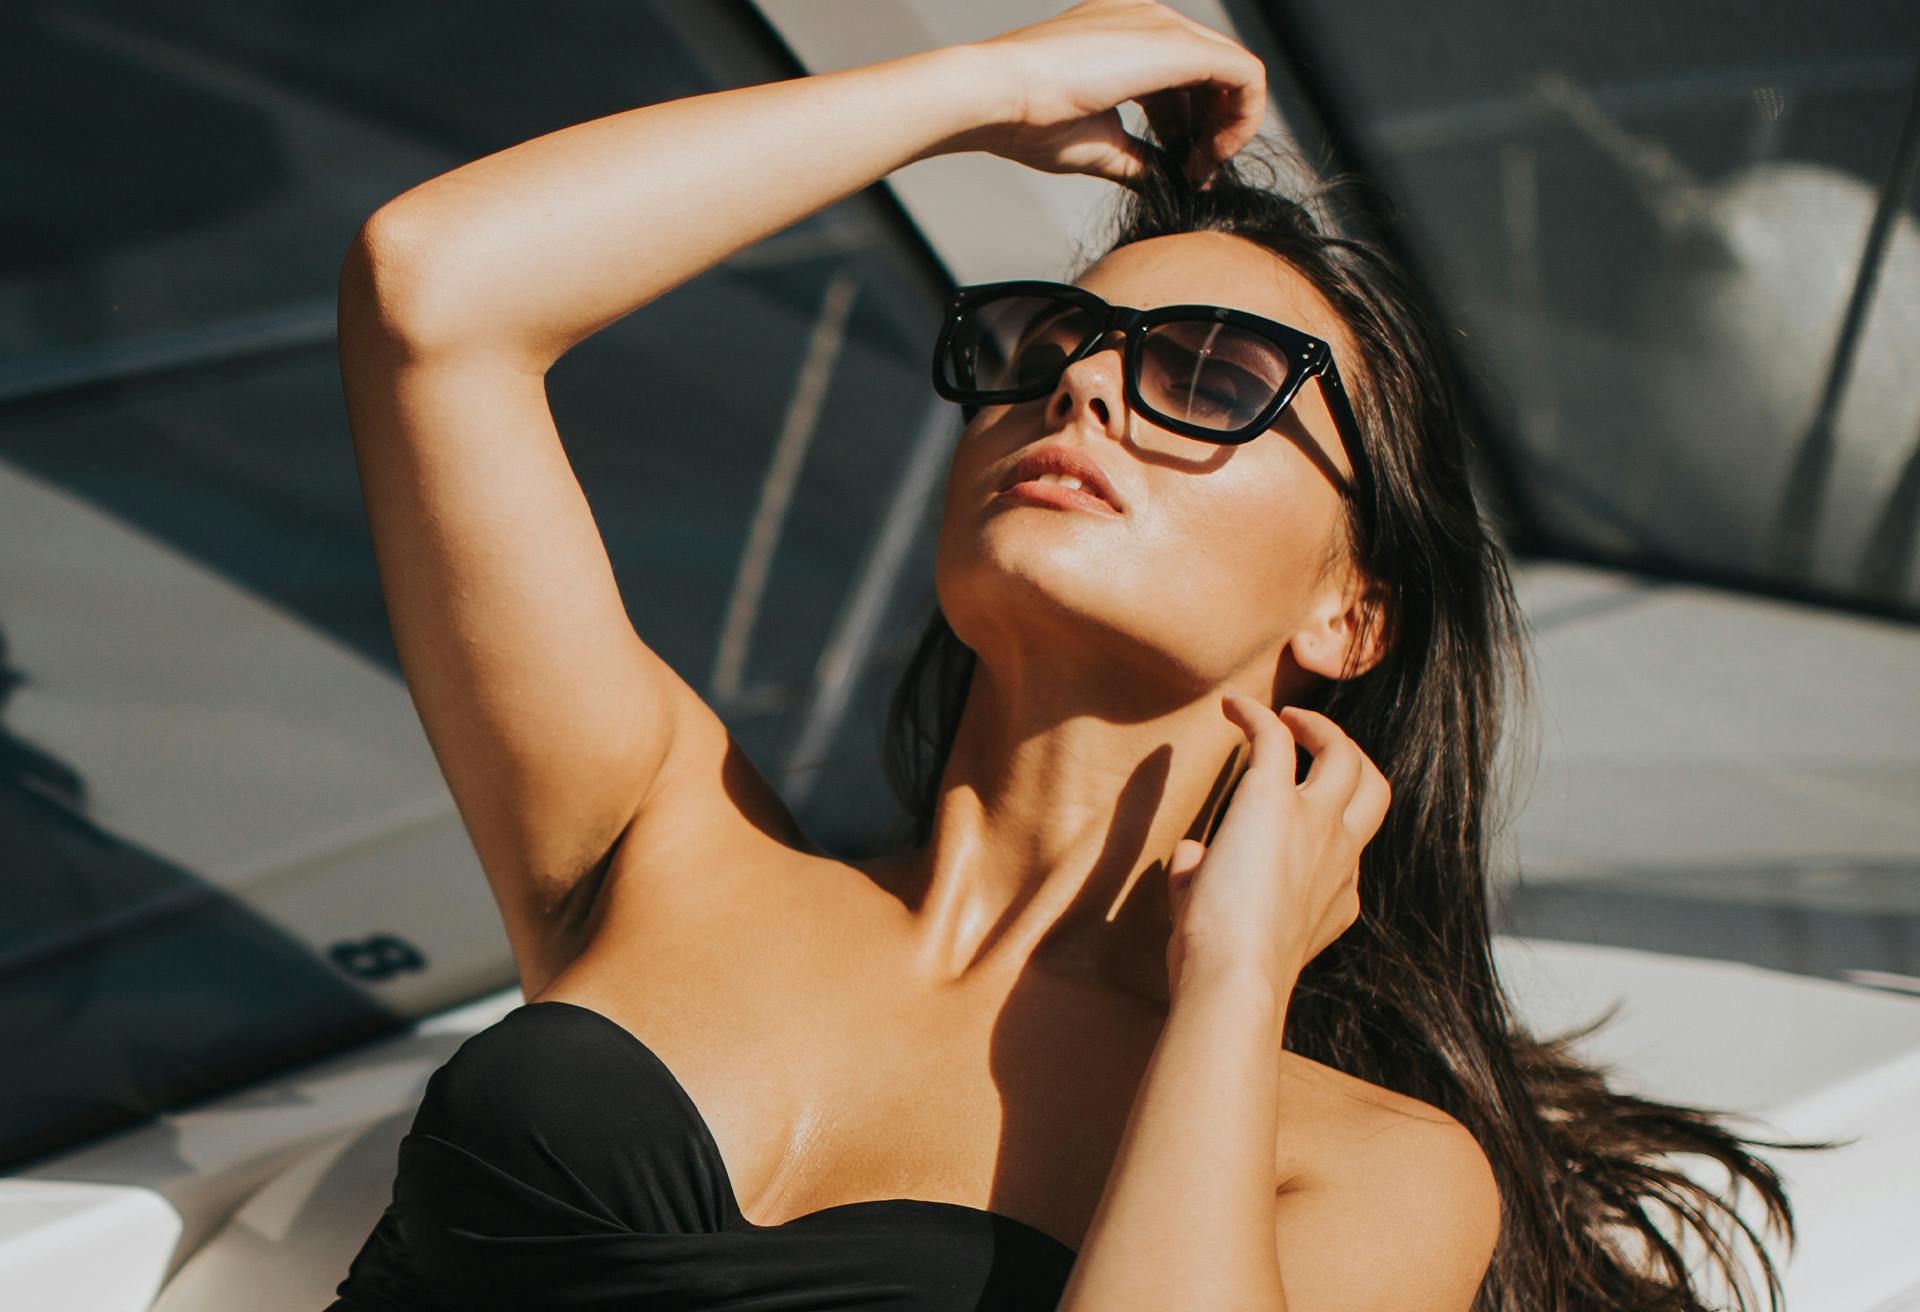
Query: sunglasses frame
x,y
1312,356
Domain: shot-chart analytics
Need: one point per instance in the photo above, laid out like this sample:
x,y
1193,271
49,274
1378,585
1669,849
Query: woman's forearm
x,y
1187,1215
538,246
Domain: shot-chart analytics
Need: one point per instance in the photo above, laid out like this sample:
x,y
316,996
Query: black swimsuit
x,y
555,1162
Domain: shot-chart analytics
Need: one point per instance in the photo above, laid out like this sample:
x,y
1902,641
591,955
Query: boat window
x,y
227,847
1678,253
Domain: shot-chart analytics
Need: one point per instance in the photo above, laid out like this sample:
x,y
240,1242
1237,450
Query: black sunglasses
x,y
1204,371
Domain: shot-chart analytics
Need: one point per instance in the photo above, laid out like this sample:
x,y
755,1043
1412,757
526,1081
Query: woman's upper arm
x,y
1410,1225
551,720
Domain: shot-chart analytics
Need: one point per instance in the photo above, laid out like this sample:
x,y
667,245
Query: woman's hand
x,y
1281,879
1067,75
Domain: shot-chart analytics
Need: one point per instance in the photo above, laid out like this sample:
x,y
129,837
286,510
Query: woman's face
x,y
1215,569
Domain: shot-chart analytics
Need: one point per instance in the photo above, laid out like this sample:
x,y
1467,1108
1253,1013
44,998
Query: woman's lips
x,y
1058,462
1059,495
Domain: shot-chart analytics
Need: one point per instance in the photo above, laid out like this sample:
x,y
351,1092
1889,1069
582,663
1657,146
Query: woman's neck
x,y
1056,815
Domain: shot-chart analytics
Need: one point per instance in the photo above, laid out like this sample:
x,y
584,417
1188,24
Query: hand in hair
x,y
1203,93
1281,879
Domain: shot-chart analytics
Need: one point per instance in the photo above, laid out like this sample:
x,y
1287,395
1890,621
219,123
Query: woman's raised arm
x,y
538,246
532,249
561,734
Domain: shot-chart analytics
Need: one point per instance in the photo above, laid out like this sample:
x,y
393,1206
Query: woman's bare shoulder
x,y
1368,1106
1363,1127
1383,1162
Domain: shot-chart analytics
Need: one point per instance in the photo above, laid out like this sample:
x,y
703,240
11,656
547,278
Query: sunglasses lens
x,y
1210,374
1012,342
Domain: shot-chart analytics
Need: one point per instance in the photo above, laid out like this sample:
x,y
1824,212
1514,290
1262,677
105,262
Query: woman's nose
x,y
1094,382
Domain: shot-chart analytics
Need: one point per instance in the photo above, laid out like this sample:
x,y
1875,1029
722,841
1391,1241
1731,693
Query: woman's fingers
x,y
1280,880
1337,759
1186,858
1181,118
1368,809
1225,107
1198,86
1237,109
1343,776
1170,113
1270,736
1114,153
1231,106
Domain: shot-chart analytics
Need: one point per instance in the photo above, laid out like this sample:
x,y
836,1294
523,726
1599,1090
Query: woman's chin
x,y
1059,543
1019,570
1046,608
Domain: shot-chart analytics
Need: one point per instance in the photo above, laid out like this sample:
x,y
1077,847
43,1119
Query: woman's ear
x,y
1346,638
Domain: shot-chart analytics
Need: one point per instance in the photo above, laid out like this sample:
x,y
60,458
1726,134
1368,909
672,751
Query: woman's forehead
x,y
1213,268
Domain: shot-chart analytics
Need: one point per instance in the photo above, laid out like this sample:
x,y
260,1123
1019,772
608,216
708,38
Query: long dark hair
x,y
1595,1215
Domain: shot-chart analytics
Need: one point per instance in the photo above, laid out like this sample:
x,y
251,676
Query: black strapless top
x,y
555,1162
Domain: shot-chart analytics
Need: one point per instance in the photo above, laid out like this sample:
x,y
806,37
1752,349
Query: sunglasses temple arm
x,y
1335,392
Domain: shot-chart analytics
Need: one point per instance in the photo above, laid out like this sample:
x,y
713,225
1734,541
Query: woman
x,y
1034,1058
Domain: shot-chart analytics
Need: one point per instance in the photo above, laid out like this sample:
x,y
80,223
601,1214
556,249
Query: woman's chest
x,y
827,1074
784,1003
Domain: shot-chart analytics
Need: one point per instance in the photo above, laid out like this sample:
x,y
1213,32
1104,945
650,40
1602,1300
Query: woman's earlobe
x,y
1321,653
